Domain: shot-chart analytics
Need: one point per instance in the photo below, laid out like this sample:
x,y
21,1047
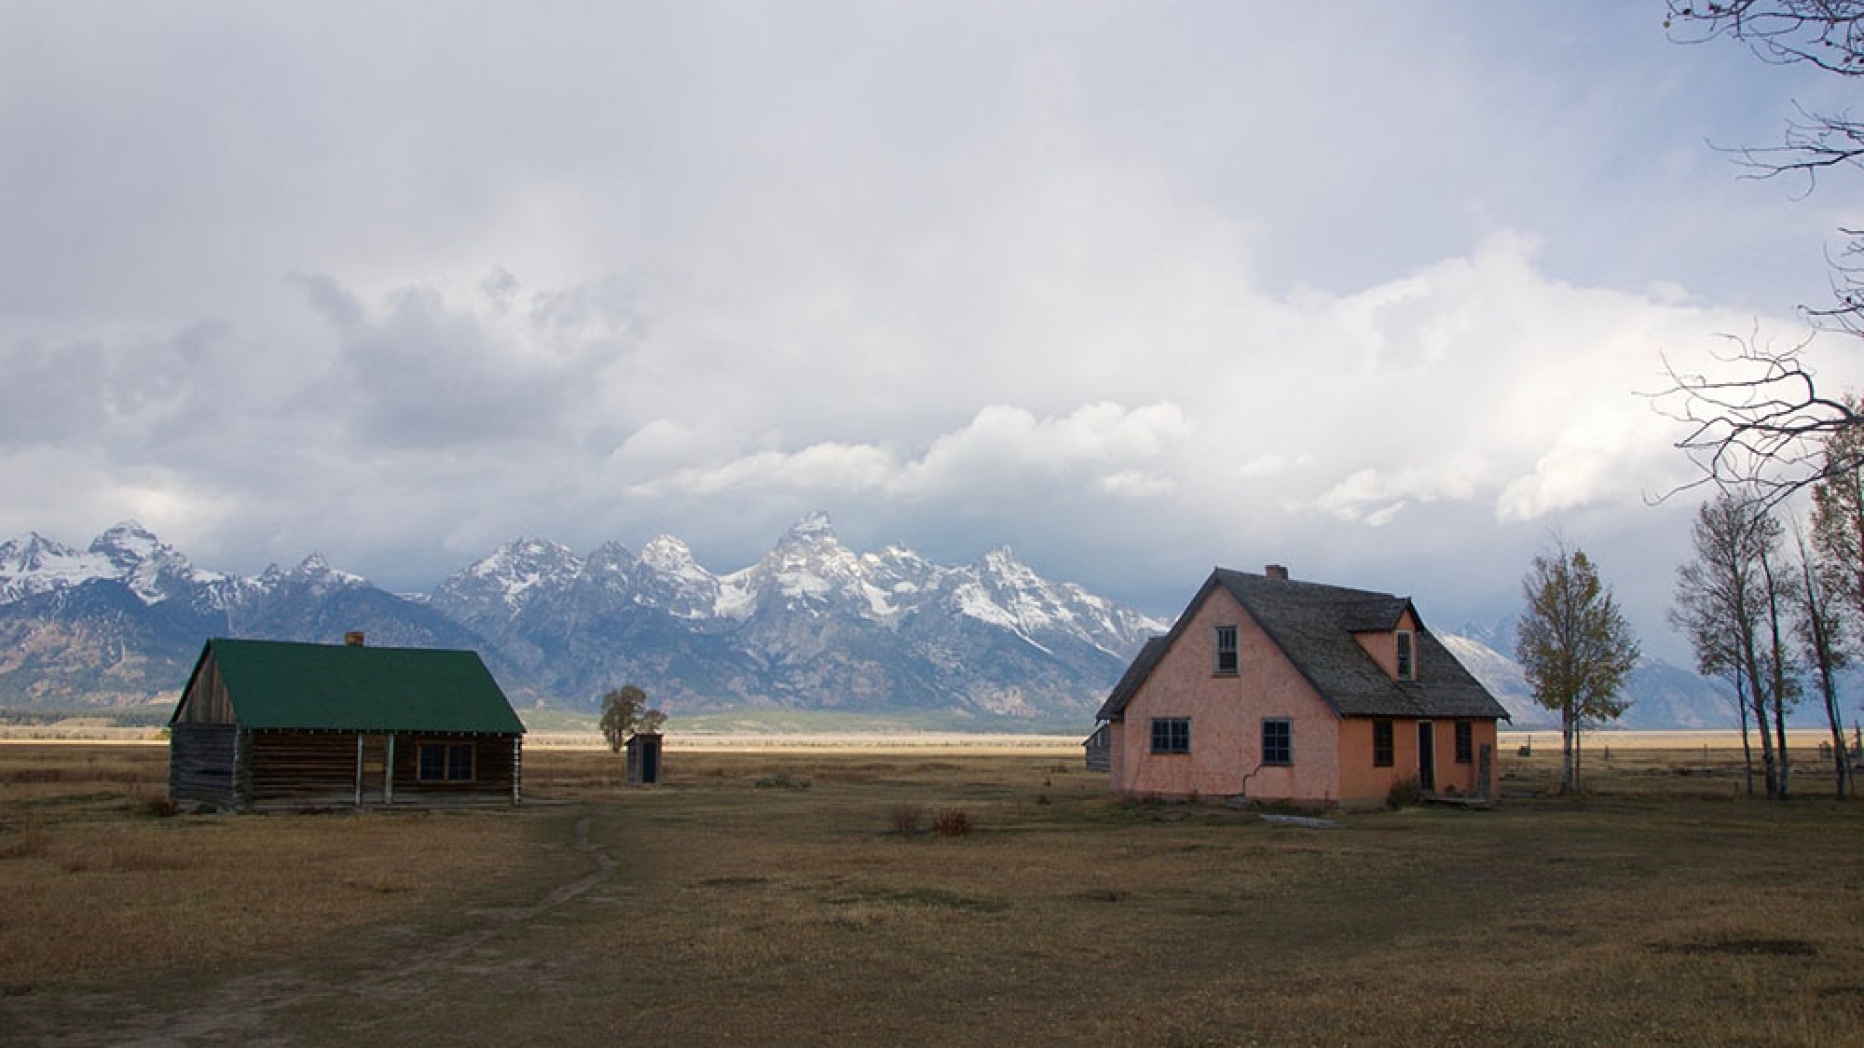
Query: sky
x,y
1379,292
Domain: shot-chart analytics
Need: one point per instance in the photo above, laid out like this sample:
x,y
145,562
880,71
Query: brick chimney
x,y
1276,571
353,638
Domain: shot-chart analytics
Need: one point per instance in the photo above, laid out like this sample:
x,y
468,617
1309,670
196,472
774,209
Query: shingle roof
x,y
281,685
1313,624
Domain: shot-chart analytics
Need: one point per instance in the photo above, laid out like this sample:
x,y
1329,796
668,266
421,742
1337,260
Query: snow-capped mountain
x,y
122,621
127,553
1662,696
811,624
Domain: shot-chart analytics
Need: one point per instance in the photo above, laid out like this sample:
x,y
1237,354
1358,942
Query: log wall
x,y
226,766
202,764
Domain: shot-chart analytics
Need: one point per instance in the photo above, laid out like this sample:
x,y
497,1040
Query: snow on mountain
x,y
1002,591
508,577
126,553
808,571
810,625
1504,679
671,579
1662,696
35,564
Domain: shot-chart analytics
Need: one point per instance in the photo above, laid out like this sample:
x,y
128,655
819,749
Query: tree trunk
x,y
1568,777
1841,766
1747,746
1779,727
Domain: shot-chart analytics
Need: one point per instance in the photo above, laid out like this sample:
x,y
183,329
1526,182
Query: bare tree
x,y
1783,676
1838,544
1721,605
1822,623
1757,425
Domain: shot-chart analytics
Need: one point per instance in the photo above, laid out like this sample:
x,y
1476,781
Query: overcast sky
x,y
1368,289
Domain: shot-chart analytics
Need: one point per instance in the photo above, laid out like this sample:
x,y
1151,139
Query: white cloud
x,y
1114,288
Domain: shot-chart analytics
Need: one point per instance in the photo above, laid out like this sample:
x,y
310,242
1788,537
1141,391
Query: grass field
x,y
806,897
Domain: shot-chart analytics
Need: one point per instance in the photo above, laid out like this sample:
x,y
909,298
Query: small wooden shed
x,y
273,724
644,758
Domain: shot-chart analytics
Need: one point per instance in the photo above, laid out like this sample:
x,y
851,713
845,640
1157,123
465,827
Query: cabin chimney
x,y
1276,571
353,638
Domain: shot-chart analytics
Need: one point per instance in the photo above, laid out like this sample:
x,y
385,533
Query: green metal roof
x,y
281,685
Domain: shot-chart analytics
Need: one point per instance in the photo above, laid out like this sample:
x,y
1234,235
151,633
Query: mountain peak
x,y
668,555
127,544
814,526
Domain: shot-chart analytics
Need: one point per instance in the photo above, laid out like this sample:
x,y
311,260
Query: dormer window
x,y
1224,665
1407,655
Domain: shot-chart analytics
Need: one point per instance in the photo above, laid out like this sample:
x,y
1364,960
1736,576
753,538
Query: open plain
x,y
833,895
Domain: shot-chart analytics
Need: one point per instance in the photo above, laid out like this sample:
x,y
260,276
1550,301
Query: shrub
x,y
1405,793
1042,798
907,819
782,780
952,822
160,807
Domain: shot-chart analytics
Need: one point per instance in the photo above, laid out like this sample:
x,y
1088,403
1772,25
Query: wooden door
x,y
1426,757
372,769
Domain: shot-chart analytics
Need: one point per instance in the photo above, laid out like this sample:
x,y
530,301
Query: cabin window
x,y
1277,741
1171,735
1407,655
1225,664
1465,742
446,762
1382,744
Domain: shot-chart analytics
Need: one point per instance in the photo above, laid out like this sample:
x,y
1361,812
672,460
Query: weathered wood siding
x,y
493,768
302,767
202,764
206,701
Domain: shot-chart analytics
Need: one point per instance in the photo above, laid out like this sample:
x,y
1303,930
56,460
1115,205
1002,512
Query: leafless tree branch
x,y
1758,427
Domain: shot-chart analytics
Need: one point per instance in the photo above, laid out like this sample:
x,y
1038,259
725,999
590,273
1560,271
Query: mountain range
x,y
811,626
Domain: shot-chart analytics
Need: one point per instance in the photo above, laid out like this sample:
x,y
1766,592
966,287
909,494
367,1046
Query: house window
x,y
1382,744
445,762
1171,735
1277,741
1465,743
1407,655
1225,664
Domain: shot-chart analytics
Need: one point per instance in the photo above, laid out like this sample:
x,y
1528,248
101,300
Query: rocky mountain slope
x,y
812,625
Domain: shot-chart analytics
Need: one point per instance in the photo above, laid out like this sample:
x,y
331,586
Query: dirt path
x,y
387,968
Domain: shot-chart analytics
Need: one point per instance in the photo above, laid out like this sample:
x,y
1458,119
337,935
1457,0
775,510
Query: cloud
x,y
1117,289
1002,449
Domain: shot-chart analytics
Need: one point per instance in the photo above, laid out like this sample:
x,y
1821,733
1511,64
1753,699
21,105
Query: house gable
x,y
1189,725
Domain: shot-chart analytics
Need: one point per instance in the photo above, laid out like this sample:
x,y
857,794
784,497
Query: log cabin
x,y
273,724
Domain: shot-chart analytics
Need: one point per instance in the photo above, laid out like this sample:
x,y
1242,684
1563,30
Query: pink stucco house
x,y
1273,689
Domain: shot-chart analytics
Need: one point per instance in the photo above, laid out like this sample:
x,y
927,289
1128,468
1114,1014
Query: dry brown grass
x,y
1660,909
100,887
